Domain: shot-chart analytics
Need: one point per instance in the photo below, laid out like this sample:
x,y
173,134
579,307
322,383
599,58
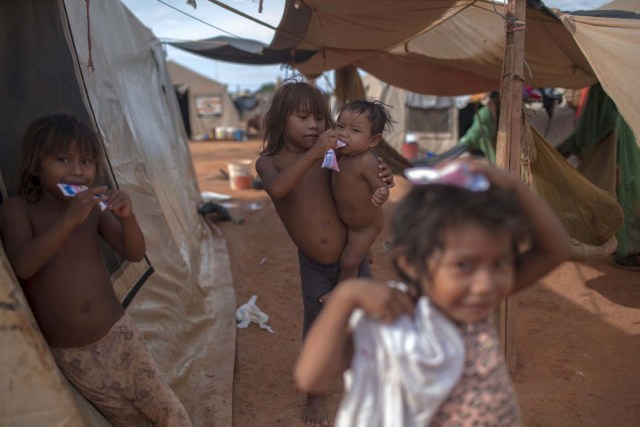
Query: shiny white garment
x,y
400,373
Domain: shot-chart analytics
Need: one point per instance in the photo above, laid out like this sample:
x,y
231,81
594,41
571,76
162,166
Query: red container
x,y
410,150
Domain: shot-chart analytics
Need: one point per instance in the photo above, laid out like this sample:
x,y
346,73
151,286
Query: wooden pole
x,y
508,140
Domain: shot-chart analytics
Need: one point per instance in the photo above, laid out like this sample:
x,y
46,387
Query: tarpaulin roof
x,y
242,51
454,47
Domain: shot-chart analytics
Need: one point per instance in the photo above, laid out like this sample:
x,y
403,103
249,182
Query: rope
x,y
90,63
513,24
198,19
257,21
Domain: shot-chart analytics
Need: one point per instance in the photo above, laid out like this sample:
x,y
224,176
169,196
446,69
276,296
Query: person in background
x,y
482,134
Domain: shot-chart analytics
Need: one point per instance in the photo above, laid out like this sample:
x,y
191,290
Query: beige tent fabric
x,y
185,310
372,24
418,121
612,47
628,5
35,391
473,40
395,98
457,47
201,86
454,50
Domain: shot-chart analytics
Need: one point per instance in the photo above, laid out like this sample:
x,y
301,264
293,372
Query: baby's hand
x,y
380,196
82,204
120,203
326,140
385,173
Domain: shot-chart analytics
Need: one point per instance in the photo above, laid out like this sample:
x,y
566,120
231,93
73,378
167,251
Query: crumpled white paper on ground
x,y
250,312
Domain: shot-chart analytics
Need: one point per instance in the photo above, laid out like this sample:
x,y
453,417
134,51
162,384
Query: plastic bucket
x,y
219,133
238,135
410,150
240,177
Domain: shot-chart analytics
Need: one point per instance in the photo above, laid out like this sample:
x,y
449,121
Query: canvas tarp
x,y
611,46
432,121
240,51
210,105
456,47
395,98
185,306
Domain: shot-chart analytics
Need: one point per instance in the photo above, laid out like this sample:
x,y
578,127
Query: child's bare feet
x,y
314,413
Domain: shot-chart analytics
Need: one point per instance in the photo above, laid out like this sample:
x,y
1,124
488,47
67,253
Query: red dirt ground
x,y
577,340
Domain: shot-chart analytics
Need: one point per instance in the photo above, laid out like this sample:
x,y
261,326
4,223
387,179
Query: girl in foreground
x,y
437,361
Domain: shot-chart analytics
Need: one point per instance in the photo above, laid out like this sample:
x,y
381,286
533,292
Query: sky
x,y
167,23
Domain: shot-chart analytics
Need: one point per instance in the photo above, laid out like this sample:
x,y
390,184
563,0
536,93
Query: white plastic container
x,y
219,133
240,176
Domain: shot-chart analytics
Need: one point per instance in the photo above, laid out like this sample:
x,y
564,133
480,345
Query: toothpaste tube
x,y
340,143
454,174
330,161
71,190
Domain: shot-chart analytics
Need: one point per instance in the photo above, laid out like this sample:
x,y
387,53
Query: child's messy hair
x,y
428,212
49,136
377,113
293,95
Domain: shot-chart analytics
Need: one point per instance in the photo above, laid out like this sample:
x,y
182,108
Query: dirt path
x,y
578,332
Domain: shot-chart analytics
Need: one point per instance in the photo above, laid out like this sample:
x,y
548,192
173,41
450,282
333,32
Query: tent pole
x,y
508,140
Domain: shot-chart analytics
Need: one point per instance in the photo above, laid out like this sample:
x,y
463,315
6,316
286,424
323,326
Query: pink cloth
x,y
484,395
119,376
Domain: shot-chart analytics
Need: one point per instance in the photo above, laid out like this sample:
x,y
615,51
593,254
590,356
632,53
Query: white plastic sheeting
x,y
185,309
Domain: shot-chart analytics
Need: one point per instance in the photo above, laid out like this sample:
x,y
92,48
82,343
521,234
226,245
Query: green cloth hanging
x,y
482,133
600,116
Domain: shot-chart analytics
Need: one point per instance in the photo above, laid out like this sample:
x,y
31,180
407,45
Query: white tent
x,y
208,105
431,121
95,60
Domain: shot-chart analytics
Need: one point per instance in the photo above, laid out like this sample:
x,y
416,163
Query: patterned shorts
x,y
119,376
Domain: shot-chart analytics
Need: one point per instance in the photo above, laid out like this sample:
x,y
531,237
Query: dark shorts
x,y
319,279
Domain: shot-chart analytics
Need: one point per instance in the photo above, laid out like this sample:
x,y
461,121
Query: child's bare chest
x,y
82,238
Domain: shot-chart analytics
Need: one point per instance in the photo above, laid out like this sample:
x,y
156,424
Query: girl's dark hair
x,y
425,215
377,113
49,136
293,95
